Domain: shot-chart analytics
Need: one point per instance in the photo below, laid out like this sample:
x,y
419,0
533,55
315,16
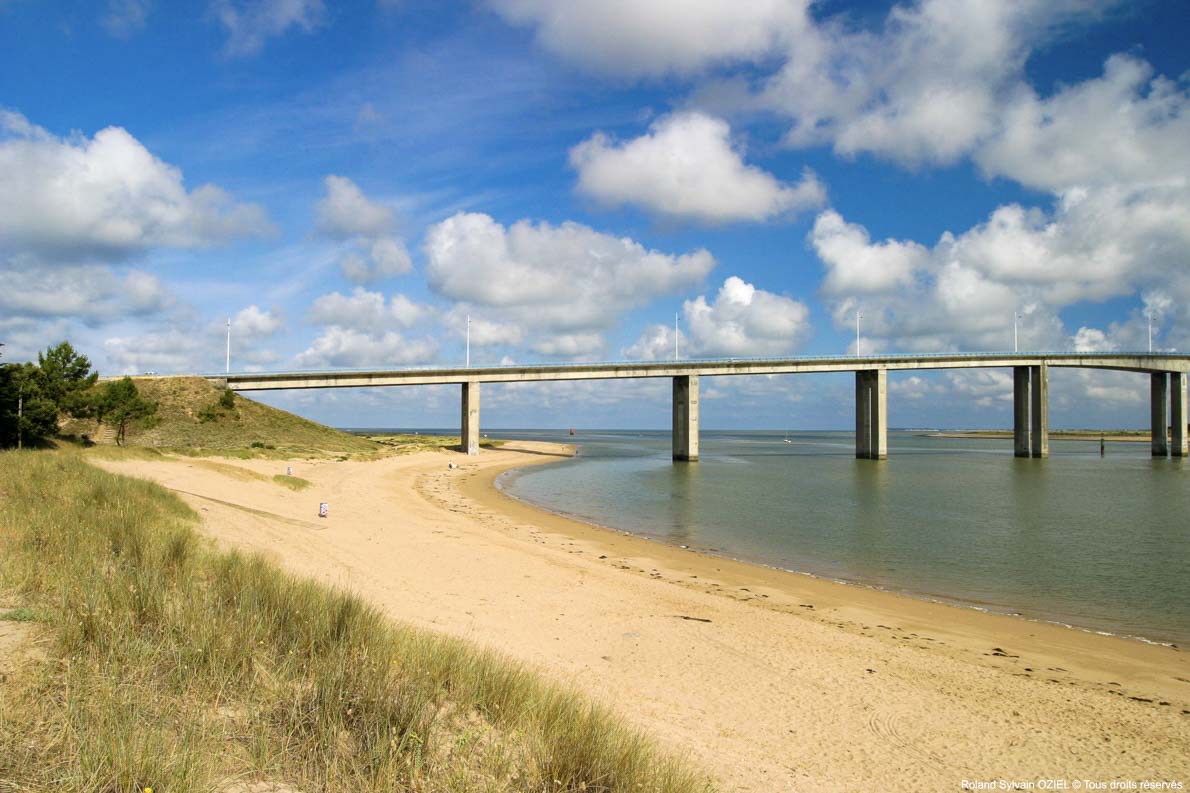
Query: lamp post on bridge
x,y
227,361
468,363
1149,316
675,335
1015,317
858,316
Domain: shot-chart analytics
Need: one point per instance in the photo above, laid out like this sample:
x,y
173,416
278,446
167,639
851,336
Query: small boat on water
x,y
572,430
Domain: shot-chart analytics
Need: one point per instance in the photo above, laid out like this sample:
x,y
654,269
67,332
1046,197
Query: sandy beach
x,y
771,681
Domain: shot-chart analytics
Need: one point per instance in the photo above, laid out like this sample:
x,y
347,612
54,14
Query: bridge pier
x,y
685,418
1030,411
469,430
1158,410
1040,411
871,414
1177,414
1020,411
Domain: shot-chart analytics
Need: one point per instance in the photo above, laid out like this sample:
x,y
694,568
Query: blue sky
x,y
349,182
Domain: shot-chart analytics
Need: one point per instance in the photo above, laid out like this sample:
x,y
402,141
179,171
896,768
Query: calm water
x,y
1101,543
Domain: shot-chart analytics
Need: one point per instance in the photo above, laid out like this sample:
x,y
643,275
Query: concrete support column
x,y
685,413
1159,409
1177,414
469,435
871,414
1039,445
1020,411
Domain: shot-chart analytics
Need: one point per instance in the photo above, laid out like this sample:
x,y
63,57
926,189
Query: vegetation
x,y
407,444
292,482
32,396
193,418
177,667
118,402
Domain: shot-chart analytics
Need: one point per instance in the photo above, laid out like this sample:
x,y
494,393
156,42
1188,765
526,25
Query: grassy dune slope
x,y
180,668
189,417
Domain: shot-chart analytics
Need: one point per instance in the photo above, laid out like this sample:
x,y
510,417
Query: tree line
x,y
35,396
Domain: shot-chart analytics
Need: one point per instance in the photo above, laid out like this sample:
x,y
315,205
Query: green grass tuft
x,y
23,615
292,482
178,667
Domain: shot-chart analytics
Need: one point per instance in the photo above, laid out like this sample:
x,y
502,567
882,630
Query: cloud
x,y
164,351
250,23
352,348
686,167
656,343
741,321
1124,128
370,252
545,280
923,86
253,323
745,321
632,38
569,345
962,293
854,264
92,294
345,211
367,311
126,17
105,197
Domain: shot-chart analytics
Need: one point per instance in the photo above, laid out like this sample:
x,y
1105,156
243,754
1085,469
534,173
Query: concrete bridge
x,y
1168,388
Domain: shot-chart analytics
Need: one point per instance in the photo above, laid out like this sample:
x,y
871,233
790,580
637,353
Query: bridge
x,y
1167,372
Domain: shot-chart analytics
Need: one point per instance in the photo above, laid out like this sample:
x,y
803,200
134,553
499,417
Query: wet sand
x,y
771,681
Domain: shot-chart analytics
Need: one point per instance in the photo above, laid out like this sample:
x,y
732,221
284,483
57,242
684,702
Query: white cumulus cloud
x,y
346,212
352,348
1124,128
551,280
685,166
745,321
106,196
633,38
367,311
741,321
364,228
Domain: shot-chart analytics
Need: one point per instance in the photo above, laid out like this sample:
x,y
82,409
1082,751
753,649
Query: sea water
x,y
1098,542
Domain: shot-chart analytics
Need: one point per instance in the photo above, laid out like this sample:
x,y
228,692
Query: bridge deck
x,y
264,381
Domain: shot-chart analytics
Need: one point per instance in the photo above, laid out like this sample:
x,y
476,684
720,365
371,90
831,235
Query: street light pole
x,y
675,336
1015,346
227,363
468,341
858,317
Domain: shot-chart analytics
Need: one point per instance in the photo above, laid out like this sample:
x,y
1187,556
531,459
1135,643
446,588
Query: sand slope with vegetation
x,y
167,664
194,415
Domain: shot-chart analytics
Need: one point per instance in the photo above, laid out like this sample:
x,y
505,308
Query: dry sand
x,y
771,681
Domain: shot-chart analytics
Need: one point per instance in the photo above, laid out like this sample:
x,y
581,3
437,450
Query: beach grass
x,y
178,667
292,482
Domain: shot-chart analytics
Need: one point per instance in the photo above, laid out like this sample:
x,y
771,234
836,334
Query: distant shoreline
x,y
1125,436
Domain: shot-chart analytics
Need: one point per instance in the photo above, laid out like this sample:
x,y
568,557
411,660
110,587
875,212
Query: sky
x,y
347,183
